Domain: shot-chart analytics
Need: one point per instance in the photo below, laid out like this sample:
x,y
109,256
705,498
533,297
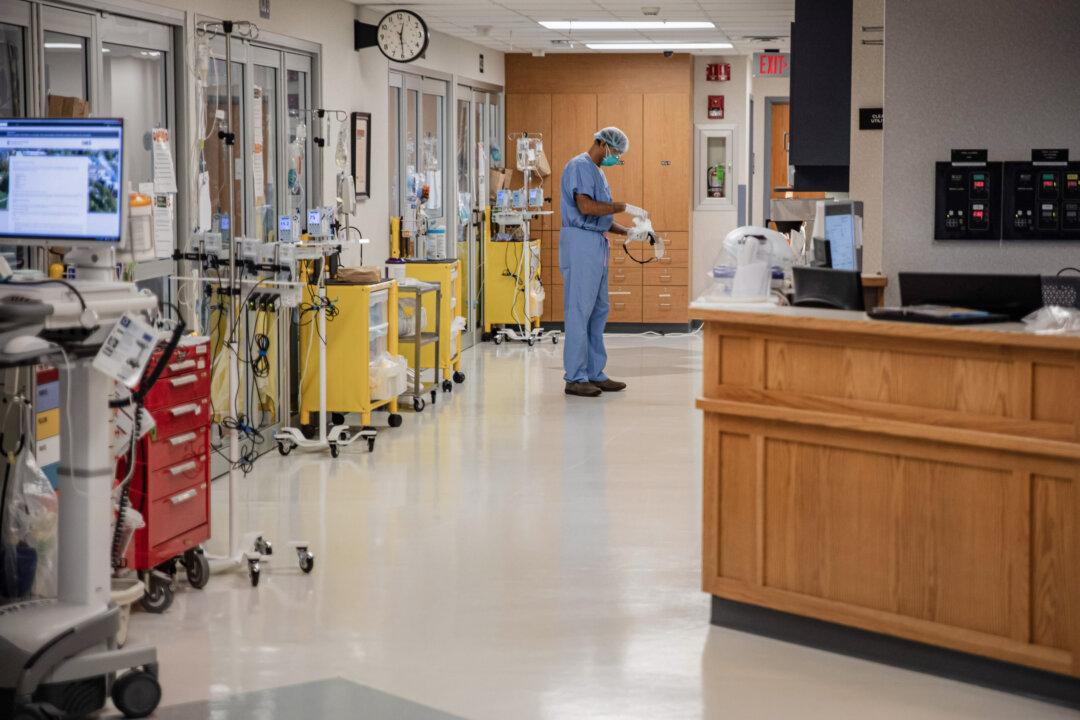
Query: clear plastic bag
x,y
752,263
388,376
28,539
1053,320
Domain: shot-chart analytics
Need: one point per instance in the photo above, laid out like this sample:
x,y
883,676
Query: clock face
x,y
403,36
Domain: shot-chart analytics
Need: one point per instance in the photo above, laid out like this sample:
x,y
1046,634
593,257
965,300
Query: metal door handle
x,y
181,439
182,468
787,141
184,496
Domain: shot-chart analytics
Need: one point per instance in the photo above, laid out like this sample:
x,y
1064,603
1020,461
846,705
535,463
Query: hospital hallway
x,y
509,553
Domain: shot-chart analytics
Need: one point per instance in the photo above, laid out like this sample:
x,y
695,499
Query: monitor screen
x,y
840,232
60,179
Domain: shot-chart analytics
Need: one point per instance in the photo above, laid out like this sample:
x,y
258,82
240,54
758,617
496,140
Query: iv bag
x,y
341,152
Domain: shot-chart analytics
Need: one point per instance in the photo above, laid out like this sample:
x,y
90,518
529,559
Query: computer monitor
x,y
61,180
1011,295
826,288
841,231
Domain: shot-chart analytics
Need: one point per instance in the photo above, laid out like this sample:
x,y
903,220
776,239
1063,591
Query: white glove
x,y
635,211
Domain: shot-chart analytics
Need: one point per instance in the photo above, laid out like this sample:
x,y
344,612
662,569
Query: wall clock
x,y
402,35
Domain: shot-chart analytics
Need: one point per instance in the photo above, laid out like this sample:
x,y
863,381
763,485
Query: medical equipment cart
x,y
418,339
170,486
447,274
362,328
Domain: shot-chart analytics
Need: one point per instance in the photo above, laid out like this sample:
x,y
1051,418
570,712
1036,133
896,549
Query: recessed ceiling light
x,y
659,46
626,25
63,46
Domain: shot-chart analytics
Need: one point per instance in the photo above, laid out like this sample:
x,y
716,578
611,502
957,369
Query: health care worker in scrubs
x,y
587,213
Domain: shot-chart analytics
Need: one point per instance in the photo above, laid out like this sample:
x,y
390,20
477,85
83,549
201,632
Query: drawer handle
x,y
619,292
184,380
182,468
186,409
620,306
178,366
184,496
665,277
666,305
181,439
663,295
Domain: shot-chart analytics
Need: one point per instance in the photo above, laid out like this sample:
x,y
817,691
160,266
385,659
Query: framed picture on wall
x,y
361,153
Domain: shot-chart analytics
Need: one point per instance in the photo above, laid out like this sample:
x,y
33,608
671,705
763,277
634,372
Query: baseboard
x,y
634,328
897,652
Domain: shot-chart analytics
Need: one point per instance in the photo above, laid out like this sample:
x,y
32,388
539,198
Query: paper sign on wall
x,y
164,172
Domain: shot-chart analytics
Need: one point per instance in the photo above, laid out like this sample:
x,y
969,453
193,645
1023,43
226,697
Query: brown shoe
x,y
582,389
609,385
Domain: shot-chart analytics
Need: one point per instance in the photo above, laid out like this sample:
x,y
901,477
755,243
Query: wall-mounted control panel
x,y
1041,201
967,201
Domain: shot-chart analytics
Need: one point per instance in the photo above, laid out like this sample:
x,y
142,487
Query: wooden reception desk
x,y
919,482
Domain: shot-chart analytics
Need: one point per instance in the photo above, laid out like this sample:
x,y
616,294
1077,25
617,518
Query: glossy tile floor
x,y
514,553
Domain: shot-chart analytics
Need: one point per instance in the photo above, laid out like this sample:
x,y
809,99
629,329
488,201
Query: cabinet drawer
x,y
659,275
624,275
179,389
625,303
176,449
553,304
673,258
676,240
181,418
178,513
188,356
665,304
176,477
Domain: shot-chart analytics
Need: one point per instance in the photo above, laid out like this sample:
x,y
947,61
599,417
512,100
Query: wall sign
x,y
772,64
361,154
871,118
1050,155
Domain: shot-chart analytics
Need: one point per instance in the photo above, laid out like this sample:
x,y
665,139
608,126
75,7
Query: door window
x,y
65,66
134,84
264,152
12,71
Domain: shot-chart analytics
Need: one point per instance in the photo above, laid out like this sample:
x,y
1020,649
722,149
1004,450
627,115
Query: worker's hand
x,y
635,211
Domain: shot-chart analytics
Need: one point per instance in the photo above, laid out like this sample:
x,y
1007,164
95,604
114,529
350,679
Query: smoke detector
x,y
651,10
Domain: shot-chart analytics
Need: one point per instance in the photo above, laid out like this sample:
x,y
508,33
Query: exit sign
x,y
772,64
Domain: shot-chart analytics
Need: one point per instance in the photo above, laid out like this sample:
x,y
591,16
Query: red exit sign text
x,y
772,64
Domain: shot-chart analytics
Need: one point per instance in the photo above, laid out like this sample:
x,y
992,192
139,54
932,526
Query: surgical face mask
x,y
609,160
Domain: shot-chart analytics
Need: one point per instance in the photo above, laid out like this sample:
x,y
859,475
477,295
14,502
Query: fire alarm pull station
x,y
968,197
718,72
1042,197
716,107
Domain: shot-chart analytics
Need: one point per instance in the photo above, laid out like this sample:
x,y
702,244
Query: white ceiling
x,y
512,24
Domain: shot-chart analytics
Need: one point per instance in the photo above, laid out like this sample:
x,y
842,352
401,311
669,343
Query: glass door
x,y
14,26
67,65
465,228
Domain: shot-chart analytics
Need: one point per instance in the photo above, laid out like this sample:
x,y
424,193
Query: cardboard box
x,y
65,106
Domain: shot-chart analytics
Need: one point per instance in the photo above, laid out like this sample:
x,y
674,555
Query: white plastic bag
x,y
1053,320
751,263
388,376
28,531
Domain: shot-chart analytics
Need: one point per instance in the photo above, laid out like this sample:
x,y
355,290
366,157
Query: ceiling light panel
x,y
659,45
627,24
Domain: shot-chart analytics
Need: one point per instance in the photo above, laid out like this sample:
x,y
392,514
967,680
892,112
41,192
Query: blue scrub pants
x,y
583,261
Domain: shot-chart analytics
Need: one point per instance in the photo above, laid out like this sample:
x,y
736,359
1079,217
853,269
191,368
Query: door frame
x,y
766,168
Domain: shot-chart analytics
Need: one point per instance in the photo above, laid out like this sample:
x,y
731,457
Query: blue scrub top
x,y
582,176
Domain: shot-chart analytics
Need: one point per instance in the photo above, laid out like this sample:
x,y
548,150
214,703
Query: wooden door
x,y
573,122
624,112
779,148
667,160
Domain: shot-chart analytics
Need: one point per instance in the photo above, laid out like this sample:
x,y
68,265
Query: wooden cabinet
x,y
665,304
625,113
625,303
667,161
663,275
573,122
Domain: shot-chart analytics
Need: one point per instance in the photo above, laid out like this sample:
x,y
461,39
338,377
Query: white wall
x,y
761,89
708,227
1000,77
867,90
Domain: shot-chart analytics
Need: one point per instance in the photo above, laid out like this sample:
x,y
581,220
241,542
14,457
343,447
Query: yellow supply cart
x,y
364,325
447,274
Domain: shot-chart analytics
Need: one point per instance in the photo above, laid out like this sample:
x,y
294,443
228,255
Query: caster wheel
x,y
531,342
554,339
459,377
434,397
136,694
337,418
394,420
254,571
498,339
158,596
371,445
334,450
263,547
198,568
447,386
284,448
418,404
307,562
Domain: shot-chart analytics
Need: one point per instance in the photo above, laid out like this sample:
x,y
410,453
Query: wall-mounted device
x,y
1042,198
967,197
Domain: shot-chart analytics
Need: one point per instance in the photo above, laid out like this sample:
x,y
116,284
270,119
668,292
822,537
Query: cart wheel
x,y
337,418
253,572
334,450
447,386
198,568
394,420
554,339
418,404
263,546
158,596
284,448
371,444
136,694
531,342
459,377
307,562
498,339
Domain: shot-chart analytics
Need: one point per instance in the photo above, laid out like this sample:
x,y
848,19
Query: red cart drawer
x,y
181,418
188,356
179,389
178,513
169,451
179,476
